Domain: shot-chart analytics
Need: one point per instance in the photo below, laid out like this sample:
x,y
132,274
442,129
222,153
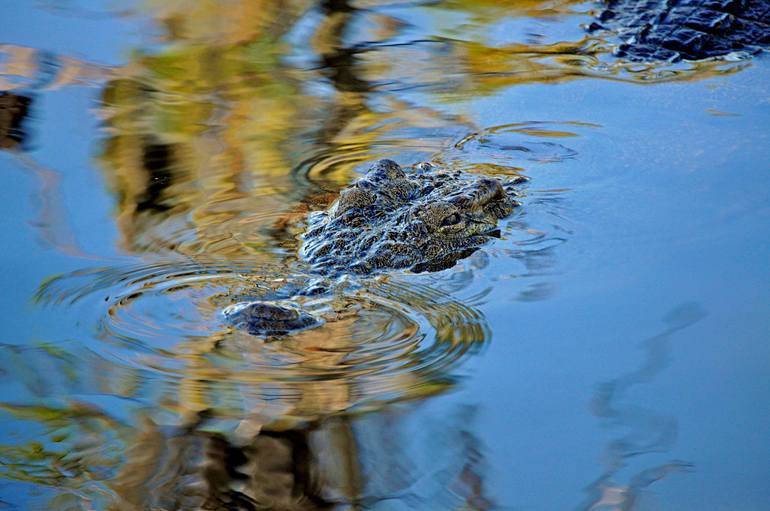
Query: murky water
x,y
609,351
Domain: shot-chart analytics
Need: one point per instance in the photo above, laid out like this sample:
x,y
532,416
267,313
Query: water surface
x,y
610,351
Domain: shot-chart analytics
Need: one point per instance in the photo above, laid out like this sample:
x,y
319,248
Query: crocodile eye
x,y
452,219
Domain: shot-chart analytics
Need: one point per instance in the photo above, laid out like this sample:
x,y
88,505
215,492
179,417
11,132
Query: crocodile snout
x,y
483,192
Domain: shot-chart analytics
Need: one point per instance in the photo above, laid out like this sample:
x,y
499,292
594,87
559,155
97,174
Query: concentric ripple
x,y
379,340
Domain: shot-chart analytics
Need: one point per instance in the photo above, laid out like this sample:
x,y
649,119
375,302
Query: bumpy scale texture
x,y
268,319
425,220
686,29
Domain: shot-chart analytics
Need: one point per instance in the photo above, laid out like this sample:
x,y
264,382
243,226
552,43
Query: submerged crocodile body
x,y
423,220
685,29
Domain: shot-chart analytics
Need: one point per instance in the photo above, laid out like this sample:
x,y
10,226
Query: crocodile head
x,y
425,220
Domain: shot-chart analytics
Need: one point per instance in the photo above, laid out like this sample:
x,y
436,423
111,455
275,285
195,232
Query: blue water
x,y
627,365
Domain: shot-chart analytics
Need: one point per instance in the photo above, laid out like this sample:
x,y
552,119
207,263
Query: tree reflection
x,y
94,460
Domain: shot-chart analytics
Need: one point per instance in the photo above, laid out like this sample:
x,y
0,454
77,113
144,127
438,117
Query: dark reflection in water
x,y
14,109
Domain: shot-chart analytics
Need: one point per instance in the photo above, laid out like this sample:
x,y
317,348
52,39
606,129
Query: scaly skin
x,y
424,220
686,29
261,318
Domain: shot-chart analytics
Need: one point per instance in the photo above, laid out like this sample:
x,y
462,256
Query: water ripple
x,y
384,341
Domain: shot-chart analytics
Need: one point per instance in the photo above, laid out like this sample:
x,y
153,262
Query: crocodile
x,y
674,30
424,220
